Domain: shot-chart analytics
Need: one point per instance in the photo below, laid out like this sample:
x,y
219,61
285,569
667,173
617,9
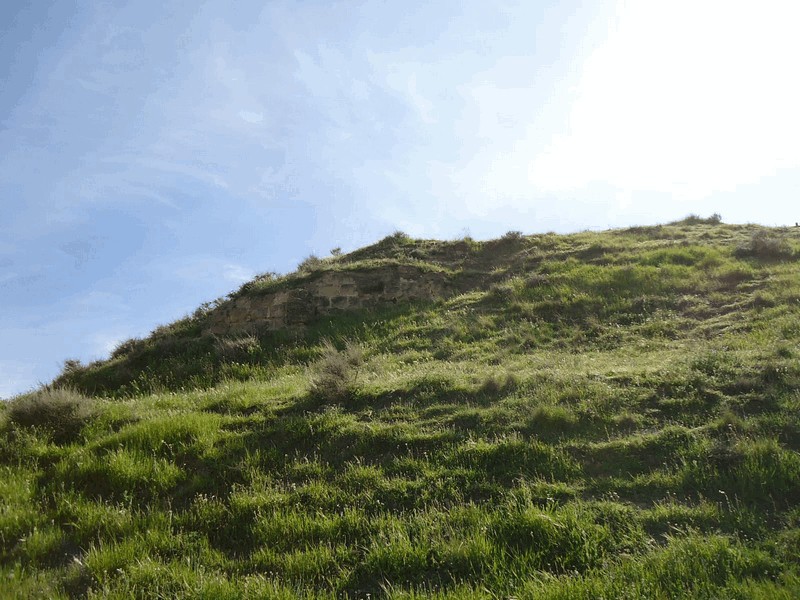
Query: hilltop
x,y
600,414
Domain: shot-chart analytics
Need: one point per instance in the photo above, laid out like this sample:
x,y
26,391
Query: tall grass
x,y
61,412
600,415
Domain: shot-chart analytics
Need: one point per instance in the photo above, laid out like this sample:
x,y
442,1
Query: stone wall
x,y
326,293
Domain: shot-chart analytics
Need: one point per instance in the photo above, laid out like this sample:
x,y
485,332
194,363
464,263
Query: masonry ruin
x,y
325,293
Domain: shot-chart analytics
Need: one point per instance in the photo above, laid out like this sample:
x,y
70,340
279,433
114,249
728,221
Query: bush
x,y
309,263
71,365
336,371
693,219
237,349
398,238
765,245
127,348
60,411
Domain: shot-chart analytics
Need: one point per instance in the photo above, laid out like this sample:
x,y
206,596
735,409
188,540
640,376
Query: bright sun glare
x,y
685,97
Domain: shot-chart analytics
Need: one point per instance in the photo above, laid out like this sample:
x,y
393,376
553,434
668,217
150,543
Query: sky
x,y
156,155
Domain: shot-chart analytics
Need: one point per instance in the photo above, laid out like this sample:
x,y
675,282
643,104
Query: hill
x,y
610,414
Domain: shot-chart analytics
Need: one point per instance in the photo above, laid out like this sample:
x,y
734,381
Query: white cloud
x,y
407,77
688,98
89,303
423,106
251,117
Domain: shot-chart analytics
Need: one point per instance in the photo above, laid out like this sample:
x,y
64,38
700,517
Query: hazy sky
x,y
155,155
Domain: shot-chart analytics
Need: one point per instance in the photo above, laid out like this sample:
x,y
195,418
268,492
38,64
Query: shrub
x,y
398,238
127,348
765,245
512,235
336,371
71,365
237,349
693,219
309,263
60,411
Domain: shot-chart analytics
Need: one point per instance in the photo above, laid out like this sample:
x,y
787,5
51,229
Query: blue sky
x,y
155,155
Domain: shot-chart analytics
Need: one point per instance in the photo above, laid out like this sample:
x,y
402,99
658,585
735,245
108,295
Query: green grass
x,y
596,415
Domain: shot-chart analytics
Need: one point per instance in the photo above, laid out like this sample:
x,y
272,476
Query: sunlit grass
x,y
602,415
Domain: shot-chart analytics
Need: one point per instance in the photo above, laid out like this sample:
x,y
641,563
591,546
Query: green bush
x,y
310,263
336,371
61,412
395,240
237,349
512,235
694,219
127,348
765,245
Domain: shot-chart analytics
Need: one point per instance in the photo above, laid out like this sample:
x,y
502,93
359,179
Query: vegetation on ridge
x,y
611,414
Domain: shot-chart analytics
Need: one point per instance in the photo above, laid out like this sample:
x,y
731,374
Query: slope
x,y
607,414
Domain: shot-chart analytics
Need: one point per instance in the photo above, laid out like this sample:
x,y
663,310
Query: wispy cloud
x,y
251,116
96,300
205,268
154,161
7,276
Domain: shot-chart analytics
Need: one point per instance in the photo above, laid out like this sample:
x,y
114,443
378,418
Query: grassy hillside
x,y
610,414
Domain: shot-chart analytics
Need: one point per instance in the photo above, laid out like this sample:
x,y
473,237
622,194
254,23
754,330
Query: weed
x,y
398,238
310,263
127,348
765,245
71,365
59,411
237,349
512,235
335,373
693,219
